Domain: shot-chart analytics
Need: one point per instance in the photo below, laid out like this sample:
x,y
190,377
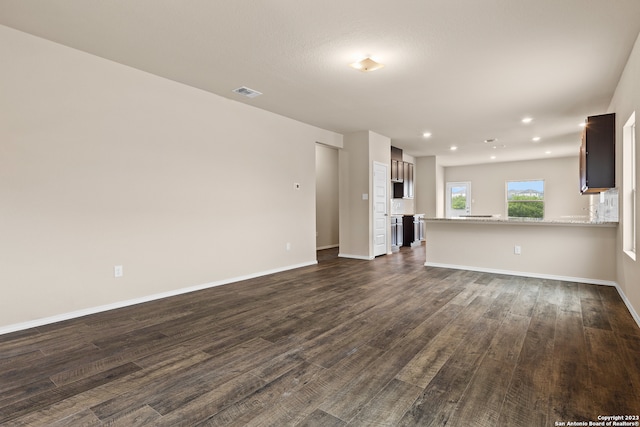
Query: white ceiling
x,y
464,70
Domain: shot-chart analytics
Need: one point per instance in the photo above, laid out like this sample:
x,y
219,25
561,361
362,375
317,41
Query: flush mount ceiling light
x,y
527,120
245,91
366,65
535,139
426,135
453,148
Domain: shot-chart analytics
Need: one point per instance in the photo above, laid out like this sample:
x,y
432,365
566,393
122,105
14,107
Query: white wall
x,y
354,182
562,198
327,224
625,101
428,186
103,165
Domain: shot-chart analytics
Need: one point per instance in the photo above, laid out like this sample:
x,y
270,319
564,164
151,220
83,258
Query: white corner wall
x,y
356,159
428,186
625,101
104,165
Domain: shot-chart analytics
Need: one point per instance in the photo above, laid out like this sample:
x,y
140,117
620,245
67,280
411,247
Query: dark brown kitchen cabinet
x,y
413,229
397,171
401,175
598,154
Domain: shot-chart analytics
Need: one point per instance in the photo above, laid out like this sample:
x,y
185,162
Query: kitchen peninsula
x,y
566,249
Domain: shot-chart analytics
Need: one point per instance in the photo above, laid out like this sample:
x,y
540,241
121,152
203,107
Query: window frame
x,y
507,201
629,178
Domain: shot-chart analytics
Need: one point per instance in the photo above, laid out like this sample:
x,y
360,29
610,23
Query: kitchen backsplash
x,y
402,207
604,206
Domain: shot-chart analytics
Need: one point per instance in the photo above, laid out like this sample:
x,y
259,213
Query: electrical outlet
x,y
517,250
118,271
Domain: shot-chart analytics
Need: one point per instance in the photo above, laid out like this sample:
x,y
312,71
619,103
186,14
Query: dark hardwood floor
x,y
346,342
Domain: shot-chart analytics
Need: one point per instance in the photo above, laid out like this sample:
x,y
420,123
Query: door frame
x,y
380,211
449,212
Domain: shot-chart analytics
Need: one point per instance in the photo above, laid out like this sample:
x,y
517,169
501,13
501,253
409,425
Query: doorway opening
x,y
327,206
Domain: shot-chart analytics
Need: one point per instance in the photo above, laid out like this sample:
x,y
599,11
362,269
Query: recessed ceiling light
x,y
426,135
453,148
493,157
366,65
547,152
245,91
527,120
535,139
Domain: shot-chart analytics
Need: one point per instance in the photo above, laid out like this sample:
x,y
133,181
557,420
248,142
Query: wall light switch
x,y
517,250
365,196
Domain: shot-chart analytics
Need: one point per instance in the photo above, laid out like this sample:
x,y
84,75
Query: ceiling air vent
x,y
245,91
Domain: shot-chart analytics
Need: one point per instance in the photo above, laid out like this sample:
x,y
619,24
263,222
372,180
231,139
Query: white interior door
x,y
380,214
458,199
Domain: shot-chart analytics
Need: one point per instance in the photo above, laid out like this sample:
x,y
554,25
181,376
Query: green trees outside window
x,y
525,199
458,202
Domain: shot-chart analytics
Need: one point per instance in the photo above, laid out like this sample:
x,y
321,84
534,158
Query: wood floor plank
x,y
593,314
143,416
347,401
83,418
608,373
425,365
307,399
508,341
320,418
617,312
526,300
49,397
482,399
274,393
438,402
343,342
572,390
193,379
527,399
388,406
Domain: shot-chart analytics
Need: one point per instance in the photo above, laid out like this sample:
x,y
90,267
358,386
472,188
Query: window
x,y
629,181
525,199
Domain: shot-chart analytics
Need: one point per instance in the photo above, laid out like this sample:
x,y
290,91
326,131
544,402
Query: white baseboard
x,y
367,258
319,248
634,314
545,276
120,304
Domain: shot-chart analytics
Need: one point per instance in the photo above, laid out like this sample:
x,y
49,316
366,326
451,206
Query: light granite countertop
x,y
523,221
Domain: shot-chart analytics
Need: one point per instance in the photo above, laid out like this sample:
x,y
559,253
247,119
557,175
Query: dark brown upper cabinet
x,y
598,154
